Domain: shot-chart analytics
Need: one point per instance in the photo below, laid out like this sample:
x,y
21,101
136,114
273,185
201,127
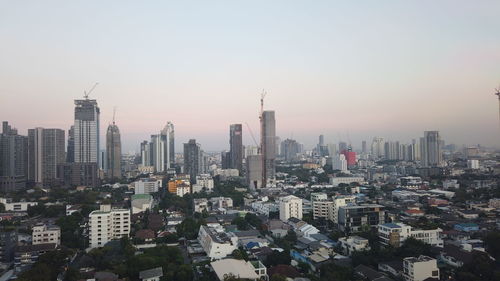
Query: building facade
x,y
236,147
108,224
113,152
45,152
290,207
86,131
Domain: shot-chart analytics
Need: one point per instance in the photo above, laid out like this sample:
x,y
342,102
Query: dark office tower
x,y
343,146
86,128
236,147
268,146
364,149
193,159
430,149
70,152
113,152
13,159
225,158
45,152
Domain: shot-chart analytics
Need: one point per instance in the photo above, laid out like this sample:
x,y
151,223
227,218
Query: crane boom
x,y
86,94
251,133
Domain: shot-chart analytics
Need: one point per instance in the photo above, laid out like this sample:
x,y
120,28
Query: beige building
x,y
419,269
290,207
43,234
107,224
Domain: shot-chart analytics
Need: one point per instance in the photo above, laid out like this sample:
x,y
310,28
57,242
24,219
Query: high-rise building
x,y
290,207
332,149
364,149
13,159
193,159
46,150
377,147
430,149
113,152
168,136
158,145
289,149
392,150
236,147
339,163
86,131
70,151
268,146
343,146
145,154
254,171
321,148
350,157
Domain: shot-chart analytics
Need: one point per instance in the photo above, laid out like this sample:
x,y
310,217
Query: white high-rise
x,y
290,207
339,163
377,147
86,130
430,149
108,224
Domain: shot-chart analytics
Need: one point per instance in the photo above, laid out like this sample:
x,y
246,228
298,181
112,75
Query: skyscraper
x,y
236,147
268,146
45,152
168,136
113,152
289,149
145,154
13,159
430,149
377,147
158,152
70,152
193,159
86,131
254,171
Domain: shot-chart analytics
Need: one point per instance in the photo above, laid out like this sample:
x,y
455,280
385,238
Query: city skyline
x,y
323,81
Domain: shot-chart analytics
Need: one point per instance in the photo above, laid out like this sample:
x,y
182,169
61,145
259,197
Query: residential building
x,y
43,234
290,207
265,207
221,202
147,186
321,206
419,269
141,203
203,182
353,217
290,149
200,205
244,270
13,159
16,206
193,158
153,274
339,201
254,171
430,149
336,181
70,150
473,164
216,242
78,174
108,224
339,163
27,255
395,234
86,131
180,187
46,150
351,244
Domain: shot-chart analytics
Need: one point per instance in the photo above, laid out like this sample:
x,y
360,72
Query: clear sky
x,y
357,68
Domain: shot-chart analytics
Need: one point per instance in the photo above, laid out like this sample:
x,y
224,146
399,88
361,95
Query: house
x,y
251,270
153,274
26,256
395,234
367,273
466,227
353,244
468,214
394,268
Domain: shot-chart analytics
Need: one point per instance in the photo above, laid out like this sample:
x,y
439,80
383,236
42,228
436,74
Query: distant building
x,y
147,186
45,153
13,159
108,224
43,234
353,217
78,174
430,149
236,147
290,207
419,269
193,159
254,172
216,242
290,149
268,146
353,244
336,181
339,163
86,131
395,234
113,152
473,164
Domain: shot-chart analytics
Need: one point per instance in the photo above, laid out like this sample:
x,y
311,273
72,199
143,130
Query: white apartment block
x,y
419,269
147,186
395,234
336,181
322,209
290,207
183,190
353,244
216,242
339,163
107,224
43,234
473,164
205,181
16,206
264,208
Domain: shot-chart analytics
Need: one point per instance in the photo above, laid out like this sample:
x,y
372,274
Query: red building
x,y
350,157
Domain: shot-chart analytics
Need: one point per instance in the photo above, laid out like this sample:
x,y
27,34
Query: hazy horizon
x,y
387,68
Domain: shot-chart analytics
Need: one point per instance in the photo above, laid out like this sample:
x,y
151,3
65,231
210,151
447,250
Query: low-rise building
x,y
353,217
240,269
395,234
264,208
353,244
153,274
336,181
419,269
147,186
200,205
290,207
204,182
43,234
221,202
107,224
16,206
216,242
179,187
141,203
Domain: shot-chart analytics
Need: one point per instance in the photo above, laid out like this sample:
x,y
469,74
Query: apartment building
x,y
353,217
290,207
43,234
107,224
216,242
395,234
419,269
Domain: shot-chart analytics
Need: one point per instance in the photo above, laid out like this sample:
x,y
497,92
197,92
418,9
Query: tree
x,y
240,254
332,271
277,258
254,220
278,277
241,223
492,242
188,228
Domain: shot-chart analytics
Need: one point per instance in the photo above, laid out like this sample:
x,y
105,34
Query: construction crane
x,y
86,94
251,134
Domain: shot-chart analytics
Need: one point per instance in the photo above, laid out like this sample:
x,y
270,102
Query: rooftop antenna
x,y
86,94
497,93
114,113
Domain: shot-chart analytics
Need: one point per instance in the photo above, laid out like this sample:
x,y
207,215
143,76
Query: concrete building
x,y
236,147
16,206
216,242
264,208
200,205
395,234
430,149
108,224
339,162
147,186
268,146
419,269
473,164
168,135
153,274
290,207
221,202
45,152
321,206
13,159
141,203
193,159
180,187
339,201
351,244
336,181
70,150
203,182
254,171
78,174
244,270
43,234
290,149
86,131
353,217
377,148
113,152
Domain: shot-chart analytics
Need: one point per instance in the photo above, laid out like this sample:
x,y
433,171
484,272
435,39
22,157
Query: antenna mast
x,y
262,139
114,113
497,93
